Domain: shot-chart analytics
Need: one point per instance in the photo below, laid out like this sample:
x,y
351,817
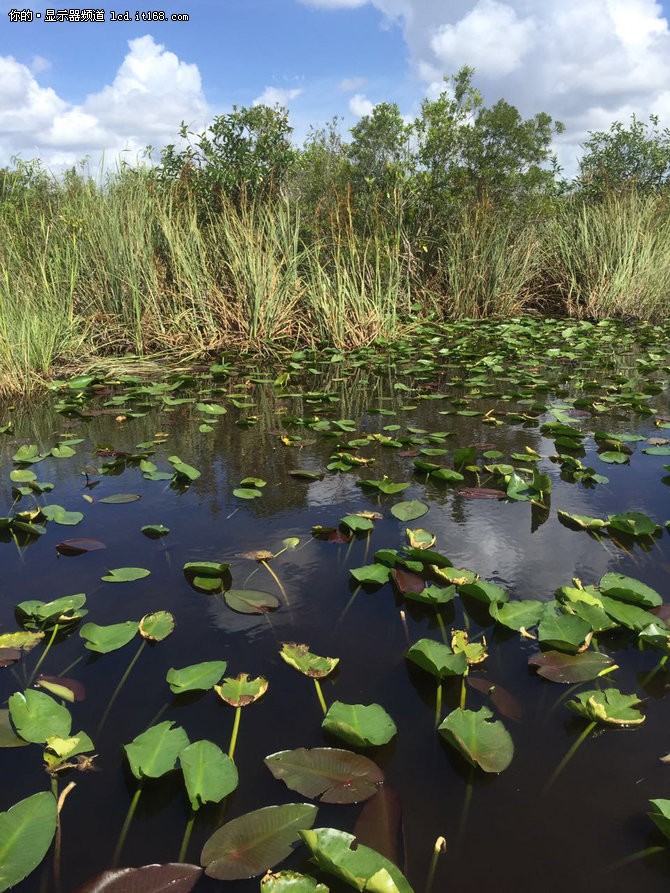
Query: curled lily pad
x,y
125,574
610,707
241,691
420,538
359,866
302,659
157,626
482,742
251,844
197,677
475,652
358,724
291,882
437,659
633,523
584,522
336,776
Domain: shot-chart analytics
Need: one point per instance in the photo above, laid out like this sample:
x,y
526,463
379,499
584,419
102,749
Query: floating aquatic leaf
x,y
197,677
337,776
633,523
206,568
157,626
182,470
170,878
291,882
357,524
59,515
125,574
583,521
104,639
66,689
518,615
359,725
482,742
437,659
409,511
120,498
155,752
79,546
8,737
24,640
628,589
661,816
37,716
241,691
251,844
302,659
565,632
155,530
26,832
209,774
251,601
306,475
371,574
360,867
613,457
610,707
246,493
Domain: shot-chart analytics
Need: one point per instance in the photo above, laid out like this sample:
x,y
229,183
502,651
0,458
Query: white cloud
x,y
359,105
349,84
335,4
152,93
277,95
39,63
491,37
585,62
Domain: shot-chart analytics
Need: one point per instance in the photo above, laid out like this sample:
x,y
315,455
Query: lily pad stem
x,y
122,682
236,729
186,838
277,581
635,857
320,696
126,825
463,691
561,766
439,848
43,655
438,703
72,665
440,623
659,666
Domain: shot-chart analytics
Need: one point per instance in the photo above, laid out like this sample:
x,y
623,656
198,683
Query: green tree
x,y
637,156
245,153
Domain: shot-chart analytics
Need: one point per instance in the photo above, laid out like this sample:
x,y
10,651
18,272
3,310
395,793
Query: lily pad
x,y
482,742
610,707
155,752
197,677
120,498
156,627
37,717
337,776
437,659
26,833
570,668
358,724
409,511
251,844
170,878
104,639
291,882
302,659
251,601
241,691
125,574
209,774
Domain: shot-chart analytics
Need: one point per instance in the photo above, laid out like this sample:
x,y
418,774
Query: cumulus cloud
x,y
152,93
349,84
359,105
491,37
277,96
586,62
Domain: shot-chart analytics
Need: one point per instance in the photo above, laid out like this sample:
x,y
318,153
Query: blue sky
x,y
71,89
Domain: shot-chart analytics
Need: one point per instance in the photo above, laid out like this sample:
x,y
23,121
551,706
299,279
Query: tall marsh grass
x,y
88,271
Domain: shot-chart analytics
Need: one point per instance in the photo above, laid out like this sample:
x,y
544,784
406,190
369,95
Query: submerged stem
x,y
561,766
440,623
126,825
659,666
186,838
438,703
439,848
122,682
72,665
236,729
43,655
635,857
320,695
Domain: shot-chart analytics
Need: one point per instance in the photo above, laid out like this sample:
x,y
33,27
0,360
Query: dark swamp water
x,y
513,836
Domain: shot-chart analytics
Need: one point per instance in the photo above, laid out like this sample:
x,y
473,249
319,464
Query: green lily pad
x,y
157,626
610,707
302,659
37,716
409,511
209,774
251,601
104,639
437,659
241,691
155,752
291,882
482,742
197,677
125,574
359,725
120,498
26,833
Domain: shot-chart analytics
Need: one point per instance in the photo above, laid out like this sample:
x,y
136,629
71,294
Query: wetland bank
x,y
460,537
